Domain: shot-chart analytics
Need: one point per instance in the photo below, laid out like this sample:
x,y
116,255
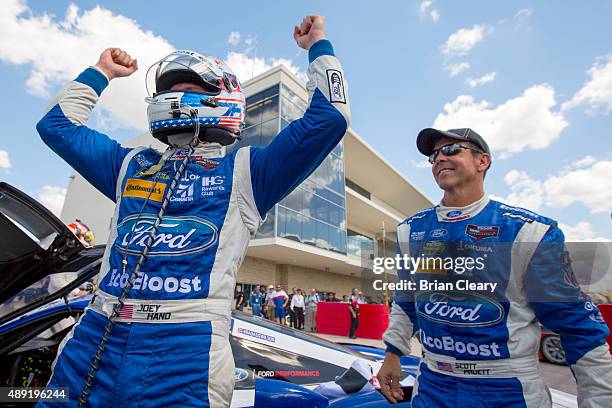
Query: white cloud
x,y
421,164
426,10
474,82
435,15
525,122
55,51
581,232
596,92
53,198
588,186
523,14
463,40
5,162
246,67
456,69
524,191
251,44
234,38
584,162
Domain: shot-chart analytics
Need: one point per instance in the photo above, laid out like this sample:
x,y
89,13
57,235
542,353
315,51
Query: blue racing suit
x,y
171,346
480,345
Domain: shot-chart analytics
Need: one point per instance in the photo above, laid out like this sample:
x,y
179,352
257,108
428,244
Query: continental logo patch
x,y
141,189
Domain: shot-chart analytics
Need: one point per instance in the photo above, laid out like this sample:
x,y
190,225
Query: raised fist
x,y
310,30
116,63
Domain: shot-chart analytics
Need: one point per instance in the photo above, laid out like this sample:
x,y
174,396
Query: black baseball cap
x,y
427,139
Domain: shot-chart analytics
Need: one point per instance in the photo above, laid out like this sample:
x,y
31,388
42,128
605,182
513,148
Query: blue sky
x,y
533,77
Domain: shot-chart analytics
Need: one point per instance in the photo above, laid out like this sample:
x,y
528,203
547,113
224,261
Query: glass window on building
x,y
266,230
315,212
358,244
357,188
261,118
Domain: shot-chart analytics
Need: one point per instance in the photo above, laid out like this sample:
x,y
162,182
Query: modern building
x,y
320,234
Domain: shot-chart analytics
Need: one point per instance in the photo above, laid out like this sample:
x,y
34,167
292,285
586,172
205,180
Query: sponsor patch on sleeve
x,y
141,189
336,86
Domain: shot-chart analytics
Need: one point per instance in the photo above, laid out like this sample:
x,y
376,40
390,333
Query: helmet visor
x,y
184,67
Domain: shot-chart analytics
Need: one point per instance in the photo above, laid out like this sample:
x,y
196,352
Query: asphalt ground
x,y
555,376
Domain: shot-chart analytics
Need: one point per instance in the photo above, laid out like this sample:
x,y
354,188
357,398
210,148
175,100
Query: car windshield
x,y
53,283
298,333
44,287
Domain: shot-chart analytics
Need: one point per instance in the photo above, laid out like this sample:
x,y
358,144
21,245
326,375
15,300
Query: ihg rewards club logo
x,y
424,270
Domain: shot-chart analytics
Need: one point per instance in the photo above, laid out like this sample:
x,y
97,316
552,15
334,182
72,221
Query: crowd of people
x,y
297,309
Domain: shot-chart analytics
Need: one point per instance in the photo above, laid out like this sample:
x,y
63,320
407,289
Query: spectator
x,y
255,301
328,297
345,299
280,300
362,299
311,310
292,319
270,302
354,309
297,307
332,297
238,298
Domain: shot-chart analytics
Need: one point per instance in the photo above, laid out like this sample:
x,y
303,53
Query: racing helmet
x,y
216,108
82,232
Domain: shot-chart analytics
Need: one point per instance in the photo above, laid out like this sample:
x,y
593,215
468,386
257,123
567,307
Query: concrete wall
x,y
86,203
261,271
257,270
306,279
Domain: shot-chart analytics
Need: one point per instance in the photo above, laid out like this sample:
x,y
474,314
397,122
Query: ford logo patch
x,y
175,236
437,233
240,374
453,214
459,309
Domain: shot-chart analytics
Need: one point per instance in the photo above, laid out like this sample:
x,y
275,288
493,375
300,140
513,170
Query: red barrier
x,y
606,312
335,318
373,321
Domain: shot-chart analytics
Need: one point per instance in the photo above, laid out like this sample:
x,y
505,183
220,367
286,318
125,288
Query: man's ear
x,y
484,162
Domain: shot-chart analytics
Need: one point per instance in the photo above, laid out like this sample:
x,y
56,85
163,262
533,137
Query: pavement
x,y
555,376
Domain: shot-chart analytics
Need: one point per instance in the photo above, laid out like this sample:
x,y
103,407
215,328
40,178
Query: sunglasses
x,y
450,150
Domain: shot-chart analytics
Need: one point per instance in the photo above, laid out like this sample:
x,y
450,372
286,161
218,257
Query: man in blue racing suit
x,y
170,345
480,342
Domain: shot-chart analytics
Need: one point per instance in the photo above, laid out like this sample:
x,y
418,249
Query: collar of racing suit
x,y
454,214
210,150
202,150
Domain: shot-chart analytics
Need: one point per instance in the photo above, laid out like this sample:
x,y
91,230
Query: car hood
x,y
35,243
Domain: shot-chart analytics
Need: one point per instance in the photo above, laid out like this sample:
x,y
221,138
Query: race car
x,y
550,348
47,275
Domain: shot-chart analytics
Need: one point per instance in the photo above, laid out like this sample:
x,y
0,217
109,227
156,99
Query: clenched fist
x,y
116,63
310,30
